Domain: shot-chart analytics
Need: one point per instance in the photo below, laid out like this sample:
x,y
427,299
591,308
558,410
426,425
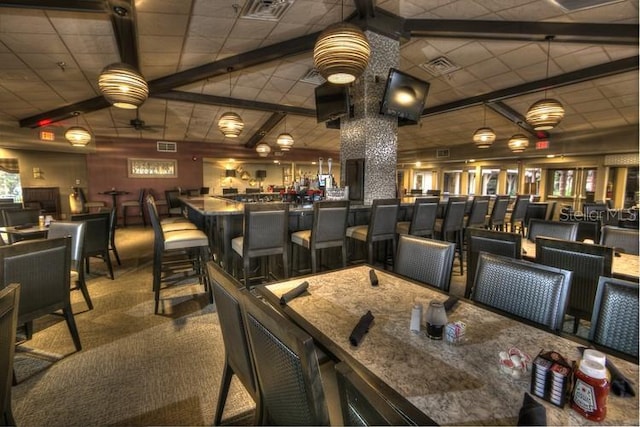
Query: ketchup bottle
x,y
591,390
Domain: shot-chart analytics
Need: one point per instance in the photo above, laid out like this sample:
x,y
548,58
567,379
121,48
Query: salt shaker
x,y
416,317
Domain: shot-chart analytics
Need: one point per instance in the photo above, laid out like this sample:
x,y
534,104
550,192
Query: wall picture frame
x,y
152,168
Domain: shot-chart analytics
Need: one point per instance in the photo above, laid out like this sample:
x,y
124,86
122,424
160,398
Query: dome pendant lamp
x,y
123,86
285,140
263,149
77,135
341,53
518,143
485,136
546,113
230,124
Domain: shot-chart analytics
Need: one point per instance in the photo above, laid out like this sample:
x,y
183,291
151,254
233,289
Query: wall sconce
x,y
37,173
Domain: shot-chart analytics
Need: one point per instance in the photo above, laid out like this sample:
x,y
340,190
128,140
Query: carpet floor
x,y
135,368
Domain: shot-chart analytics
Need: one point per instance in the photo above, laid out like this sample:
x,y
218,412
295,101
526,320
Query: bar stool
x,y
266,232
138,204
381,227
516,219
496,220
423,220
452,224
479,211
171,223
328,231
177,251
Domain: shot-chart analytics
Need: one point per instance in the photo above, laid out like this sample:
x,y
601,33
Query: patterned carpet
x,y
135,368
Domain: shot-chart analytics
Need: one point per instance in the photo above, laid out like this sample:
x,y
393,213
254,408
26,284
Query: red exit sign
x,y
542,145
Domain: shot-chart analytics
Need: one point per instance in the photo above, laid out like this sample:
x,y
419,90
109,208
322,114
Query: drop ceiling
x,y
490,65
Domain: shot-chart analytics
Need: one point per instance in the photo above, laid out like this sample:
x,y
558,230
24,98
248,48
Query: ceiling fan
x,y
138,124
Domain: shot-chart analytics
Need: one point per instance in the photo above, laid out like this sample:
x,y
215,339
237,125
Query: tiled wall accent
x,y
368,134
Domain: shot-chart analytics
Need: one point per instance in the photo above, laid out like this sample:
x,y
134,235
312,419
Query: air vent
x,y
266,10
442,152
313,77
574,5
440,67
166,147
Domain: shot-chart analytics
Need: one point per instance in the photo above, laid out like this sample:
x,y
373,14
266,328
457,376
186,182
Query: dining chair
x,y
76,230
526,290
491,241
425,260
517,216
587,262
423,218
286,366
176,253
113,225
621,239
43,268
96,238
381,228
137,204
556,229
614,322
451,227
229,300
9,303
327,231
496,219
265,233
366,405
536,210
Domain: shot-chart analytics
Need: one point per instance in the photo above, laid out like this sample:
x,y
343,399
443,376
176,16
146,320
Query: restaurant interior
x,y
213,158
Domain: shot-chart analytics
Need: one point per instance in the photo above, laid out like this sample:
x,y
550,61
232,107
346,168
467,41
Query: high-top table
x,y
453,384
624,266
114,195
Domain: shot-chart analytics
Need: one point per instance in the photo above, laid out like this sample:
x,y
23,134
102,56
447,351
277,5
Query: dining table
x,y
26,231
454,383
623,266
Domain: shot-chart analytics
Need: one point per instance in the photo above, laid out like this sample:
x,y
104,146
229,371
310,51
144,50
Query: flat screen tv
x,y
404,96
332,101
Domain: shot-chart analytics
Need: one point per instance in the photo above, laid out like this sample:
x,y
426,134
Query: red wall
x,y
107,168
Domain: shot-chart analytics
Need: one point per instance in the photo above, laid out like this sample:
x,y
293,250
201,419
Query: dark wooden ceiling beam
x,y
68,5
237,62
197,98
266,127
124,29
573,77
619,34
512,115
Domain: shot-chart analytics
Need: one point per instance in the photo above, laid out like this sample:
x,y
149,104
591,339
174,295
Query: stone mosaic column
x,y
370,135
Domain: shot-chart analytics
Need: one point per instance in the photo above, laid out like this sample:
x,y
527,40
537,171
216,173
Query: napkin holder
x,y
551,376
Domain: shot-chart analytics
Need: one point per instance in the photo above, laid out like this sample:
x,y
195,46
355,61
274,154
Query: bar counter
x,y
222,220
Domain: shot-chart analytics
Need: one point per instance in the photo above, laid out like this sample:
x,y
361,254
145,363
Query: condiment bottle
x,y
591,390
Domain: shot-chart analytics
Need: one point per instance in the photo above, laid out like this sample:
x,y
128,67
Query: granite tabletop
x,y
453,384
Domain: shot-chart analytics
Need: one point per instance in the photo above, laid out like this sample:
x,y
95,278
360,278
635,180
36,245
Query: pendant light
x,y
485,136
518,143
230,124
263,149
546,113
123,86
285,140
77,135
341,53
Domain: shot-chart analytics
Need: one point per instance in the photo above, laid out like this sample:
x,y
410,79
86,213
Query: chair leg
x,y
285,262
227,375
82,285
344,256
576,324
370,253
246,264
157,271
71,323
28,329
107,259
115,251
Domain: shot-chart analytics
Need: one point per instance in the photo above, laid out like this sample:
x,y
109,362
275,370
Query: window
x,y
512,182
563,182
489,181
451,183
471,187
422,181
10,185
532,180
